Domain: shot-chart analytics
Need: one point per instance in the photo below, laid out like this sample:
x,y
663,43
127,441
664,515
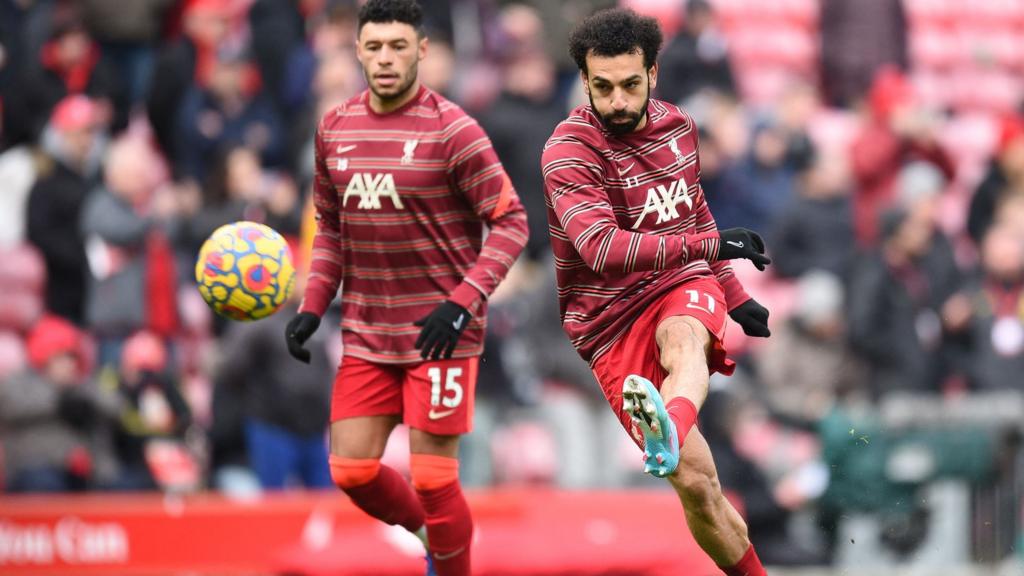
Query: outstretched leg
x,y
684,344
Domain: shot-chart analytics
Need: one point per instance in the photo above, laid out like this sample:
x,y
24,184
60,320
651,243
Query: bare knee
x,y
363,437
679,337
421,442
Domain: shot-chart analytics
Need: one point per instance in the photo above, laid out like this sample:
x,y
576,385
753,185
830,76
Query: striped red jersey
x,y
402,202
628,221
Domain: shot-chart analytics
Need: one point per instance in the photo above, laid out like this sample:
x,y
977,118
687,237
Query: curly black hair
x,y
616,31
383,11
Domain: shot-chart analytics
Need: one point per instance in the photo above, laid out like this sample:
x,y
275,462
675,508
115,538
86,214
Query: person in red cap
x,y
152,407
55,421
72,146
898,131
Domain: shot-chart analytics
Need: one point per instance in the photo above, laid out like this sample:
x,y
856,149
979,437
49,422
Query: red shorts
x,y
636,351
435,396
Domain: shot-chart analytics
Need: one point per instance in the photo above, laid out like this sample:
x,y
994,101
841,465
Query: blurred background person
x,y
130,261
232,110
995,357
284,404
73,146
696,58
56,421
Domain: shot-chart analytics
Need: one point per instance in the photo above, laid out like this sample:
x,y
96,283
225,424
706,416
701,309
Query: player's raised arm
x,y
480,177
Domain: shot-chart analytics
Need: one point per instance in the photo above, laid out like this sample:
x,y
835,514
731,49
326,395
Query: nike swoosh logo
x,y
626,169
343,149
442,557
736,244
434,415
457,324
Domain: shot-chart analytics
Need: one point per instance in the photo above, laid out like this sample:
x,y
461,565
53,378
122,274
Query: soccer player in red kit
x,y
643,280
406,184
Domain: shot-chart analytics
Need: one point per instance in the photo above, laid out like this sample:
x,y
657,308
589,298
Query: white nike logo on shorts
x,y
434,415
736,244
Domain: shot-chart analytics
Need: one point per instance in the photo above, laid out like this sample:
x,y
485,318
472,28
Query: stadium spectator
x,y
807,364
231,111
995,356
56,421
69,63
73,146
897,299
131,265
128,33
1004,178
152,408
760,184
696,58
519,123
285,405
207,25
815,230
898,130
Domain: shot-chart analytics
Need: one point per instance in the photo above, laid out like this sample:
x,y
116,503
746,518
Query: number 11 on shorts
x,y
451,384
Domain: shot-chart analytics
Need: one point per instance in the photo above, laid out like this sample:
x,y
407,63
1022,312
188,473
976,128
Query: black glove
x,y
752,317
299,329
441,330
742,243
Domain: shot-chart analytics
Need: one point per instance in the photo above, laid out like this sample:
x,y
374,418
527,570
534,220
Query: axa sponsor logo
x,y
663,201
370,188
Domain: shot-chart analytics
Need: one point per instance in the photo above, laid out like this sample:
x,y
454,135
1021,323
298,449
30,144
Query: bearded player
x,y
406,184
643,279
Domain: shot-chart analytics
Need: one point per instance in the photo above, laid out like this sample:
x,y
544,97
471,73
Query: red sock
x,y
449,529
684,414
389,498
749,565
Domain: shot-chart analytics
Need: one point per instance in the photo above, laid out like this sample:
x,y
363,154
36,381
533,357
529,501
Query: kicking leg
x,y
684,343
435,476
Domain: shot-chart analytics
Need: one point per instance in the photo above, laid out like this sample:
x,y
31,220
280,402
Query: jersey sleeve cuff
x,y
466,295
314,305
703,246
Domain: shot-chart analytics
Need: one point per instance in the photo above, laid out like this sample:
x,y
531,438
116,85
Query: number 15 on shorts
x,y
451,394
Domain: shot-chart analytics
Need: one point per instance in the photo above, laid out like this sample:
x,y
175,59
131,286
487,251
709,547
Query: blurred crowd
x,y
878,147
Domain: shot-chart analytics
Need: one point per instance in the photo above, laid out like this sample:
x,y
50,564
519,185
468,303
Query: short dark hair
x,y
616,31
383,11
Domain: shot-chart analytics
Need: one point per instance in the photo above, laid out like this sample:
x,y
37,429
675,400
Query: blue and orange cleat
x,y
661,441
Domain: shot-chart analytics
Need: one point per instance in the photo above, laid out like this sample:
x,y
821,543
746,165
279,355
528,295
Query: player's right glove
x,y
441,330
742,243
299,329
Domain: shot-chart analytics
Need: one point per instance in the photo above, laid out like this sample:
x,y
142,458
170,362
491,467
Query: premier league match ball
x,y
245,271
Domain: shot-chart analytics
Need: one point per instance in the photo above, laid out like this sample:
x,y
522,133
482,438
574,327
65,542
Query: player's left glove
x,y
441,330
752,317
